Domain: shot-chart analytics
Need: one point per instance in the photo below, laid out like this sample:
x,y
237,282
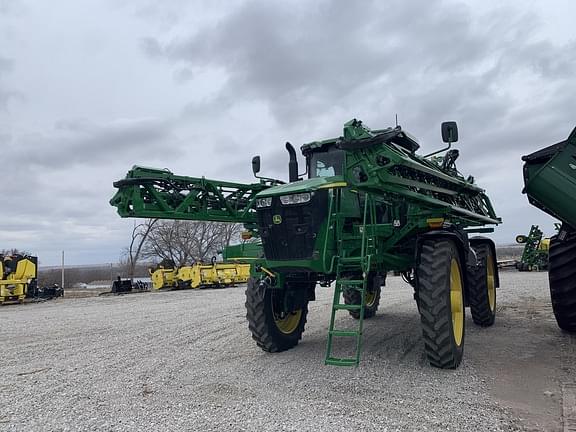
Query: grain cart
x,y
369,204
535,253
18,275
550,183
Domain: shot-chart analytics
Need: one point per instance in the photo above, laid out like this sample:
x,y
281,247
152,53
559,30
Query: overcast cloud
x,y
87,89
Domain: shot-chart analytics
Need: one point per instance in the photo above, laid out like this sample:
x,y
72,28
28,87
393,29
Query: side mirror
x,y
256,164
449,132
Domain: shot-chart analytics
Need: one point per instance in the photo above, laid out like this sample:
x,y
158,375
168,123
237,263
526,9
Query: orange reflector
x,y
435,223
246,235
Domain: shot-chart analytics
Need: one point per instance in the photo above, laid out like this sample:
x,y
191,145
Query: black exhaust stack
x,y
293,164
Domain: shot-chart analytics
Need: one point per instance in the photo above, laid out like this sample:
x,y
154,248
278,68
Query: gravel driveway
x,y
179,361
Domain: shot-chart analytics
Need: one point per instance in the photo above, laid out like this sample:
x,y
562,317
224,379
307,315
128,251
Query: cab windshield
x,y
326,163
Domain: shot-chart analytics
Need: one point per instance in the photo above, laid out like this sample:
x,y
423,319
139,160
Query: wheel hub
x,y
456,302
491,283
288,322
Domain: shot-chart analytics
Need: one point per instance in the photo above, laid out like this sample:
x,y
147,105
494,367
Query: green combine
x,y
550,183
366,205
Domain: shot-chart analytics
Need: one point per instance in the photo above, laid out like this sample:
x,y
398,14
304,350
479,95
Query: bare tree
x,y
185,242
140,234
230,232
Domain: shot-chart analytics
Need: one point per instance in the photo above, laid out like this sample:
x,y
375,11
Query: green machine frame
x,y
370,215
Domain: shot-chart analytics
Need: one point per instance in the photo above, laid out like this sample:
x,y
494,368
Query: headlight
x,y
264,202
299,198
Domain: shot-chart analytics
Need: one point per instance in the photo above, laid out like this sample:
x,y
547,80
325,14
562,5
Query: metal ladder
x,y
356,265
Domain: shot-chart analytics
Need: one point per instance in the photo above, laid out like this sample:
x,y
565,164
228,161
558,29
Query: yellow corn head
x,y
201,275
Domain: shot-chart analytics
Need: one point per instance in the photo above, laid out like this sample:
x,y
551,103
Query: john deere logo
x,y
277,219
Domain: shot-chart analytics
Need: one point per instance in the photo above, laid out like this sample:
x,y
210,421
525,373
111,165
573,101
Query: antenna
x,y
396,119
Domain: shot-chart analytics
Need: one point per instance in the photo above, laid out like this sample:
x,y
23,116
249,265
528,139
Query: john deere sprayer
x,y
550,183
367,204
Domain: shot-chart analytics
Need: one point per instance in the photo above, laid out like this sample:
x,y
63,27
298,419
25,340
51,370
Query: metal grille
x,y
295,235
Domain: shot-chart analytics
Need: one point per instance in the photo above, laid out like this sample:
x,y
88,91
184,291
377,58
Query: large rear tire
x,y
441,300
372,301
562,277
271,328
482,289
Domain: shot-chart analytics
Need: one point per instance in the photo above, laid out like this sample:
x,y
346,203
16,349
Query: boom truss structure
x,y
154,193
384,163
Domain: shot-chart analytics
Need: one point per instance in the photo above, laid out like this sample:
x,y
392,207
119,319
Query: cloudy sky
x,y
89,88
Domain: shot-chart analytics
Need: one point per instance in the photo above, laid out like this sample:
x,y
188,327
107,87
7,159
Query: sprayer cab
x,y
326,158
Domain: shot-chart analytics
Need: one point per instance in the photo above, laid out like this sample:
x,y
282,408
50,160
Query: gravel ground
x,y
176,361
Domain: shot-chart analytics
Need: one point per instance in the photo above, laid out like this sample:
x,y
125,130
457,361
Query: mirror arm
x,y
256,170
305,173
271,180
268,179
441,150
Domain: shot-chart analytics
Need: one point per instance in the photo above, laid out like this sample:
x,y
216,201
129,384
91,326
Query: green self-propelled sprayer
x,y
368,205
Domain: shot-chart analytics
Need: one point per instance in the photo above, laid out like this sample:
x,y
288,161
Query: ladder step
x,y
341,361
361,237
350,260
351,241
346,282
346,307
345,333
351,237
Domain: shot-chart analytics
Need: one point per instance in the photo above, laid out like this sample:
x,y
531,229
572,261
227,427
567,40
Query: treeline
x,y
152,241
509,251
179,242
76,275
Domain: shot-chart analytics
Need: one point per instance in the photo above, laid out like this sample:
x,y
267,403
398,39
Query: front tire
x,y
482,290
441,300
562,278
272,329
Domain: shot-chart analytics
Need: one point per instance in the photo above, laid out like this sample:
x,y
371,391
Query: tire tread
x,y
562,278
433,276
478,290
262,325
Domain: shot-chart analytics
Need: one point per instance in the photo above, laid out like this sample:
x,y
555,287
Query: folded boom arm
x,y
153,193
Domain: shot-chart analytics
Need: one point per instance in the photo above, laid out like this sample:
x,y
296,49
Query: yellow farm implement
x,y
18,273
163,278
216,274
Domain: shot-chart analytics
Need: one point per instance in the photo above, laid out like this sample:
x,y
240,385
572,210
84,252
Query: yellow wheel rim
x,y
456,302
370,298
289,322
490,282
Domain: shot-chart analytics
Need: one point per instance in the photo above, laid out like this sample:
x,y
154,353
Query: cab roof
x,y
355,131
